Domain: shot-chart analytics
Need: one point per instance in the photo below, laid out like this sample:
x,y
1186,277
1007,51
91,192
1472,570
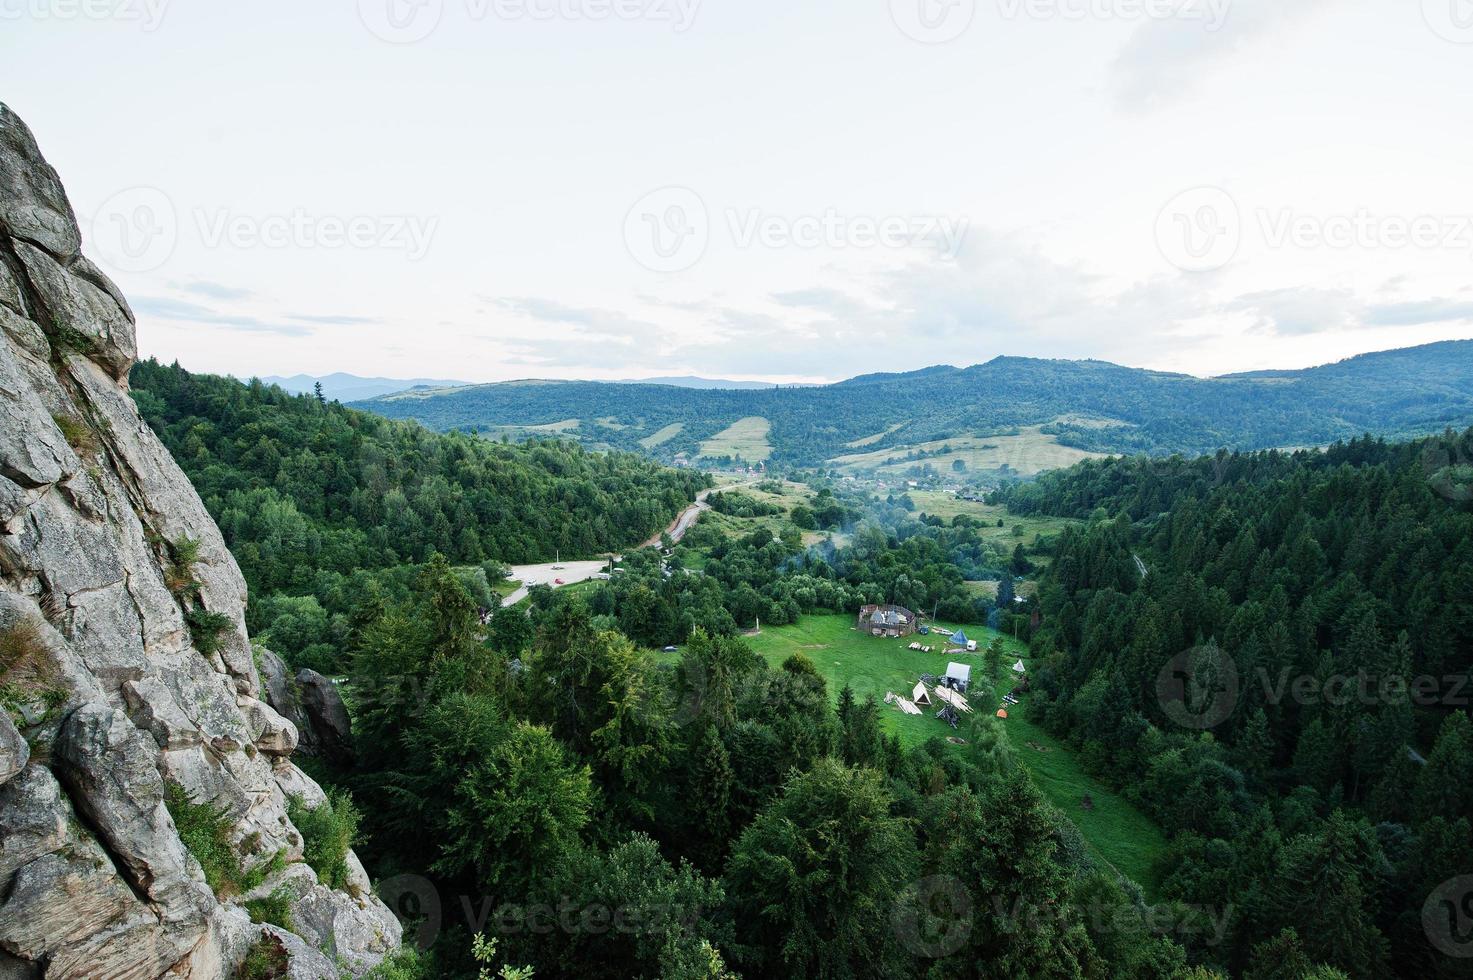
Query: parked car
x,y
558,581
670,649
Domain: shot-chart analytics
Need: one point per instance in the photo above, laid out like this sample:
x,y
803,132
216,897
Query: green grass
x,y
871,440
1116,831
275,909
328,832
1029,452
663,436
745,438
205,832
945,505
265,960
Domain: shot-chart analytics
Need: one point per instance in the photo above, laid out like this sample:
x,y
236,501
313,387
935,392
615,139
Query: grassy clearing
x,y
1116,831
745,438
1027,453
519,432
663,436
946,506
792,495
871,440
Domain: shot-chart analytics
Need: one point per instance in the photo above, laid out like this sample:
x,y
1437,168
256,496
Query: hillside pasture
x,y
871,440
732,526
662,436
518,432
744,439
1028,453
946,506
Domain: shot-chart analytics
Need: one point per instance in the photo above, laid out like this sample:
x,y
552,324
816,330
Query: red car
x,y
558,581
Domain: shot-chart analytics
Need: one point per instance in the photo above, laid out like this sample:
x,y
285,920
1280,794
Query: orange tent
x,y
1002,712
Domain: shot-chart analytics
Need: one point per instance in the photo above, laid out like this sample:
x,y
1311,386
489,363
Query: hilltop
x,y
1009,415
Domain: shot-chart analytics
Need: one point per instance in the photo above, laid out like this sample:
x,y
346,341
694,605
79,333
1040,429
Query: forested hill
x,y
300,486
1270,653
1088,405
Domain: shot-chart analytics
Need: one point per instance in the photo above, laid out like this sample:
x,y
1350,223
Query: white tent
x,y
919,695
1019,668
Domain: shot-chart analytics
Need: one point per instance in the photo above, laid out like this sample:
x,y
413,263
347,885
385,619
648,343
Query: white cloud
x,y
1166,58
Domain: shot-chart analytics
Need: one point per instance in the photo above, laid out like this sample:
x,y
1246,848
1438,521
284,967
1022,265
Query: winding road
x,y
581,571
692,513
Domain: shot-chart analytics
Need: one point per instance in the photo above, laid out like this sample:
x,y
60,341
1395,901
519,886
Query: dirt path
x,y
691,514
571,572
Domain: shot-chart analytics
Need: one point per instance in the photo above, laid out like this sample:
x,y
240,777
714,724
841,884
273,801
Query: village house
x,y
887,621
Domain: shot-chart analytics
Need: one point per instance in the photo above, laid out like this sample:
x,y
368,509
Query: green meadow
x,y
1116,831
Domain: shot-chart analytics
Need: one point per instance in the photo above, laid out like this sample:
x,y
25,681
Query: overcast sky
x,y
494,189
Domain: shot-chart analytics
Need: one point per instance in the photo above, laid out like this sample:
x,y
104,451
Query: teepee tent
x,y
1019,668
919,695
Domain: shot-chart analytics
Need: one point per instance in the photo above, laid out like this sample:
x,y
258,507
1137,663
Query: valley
x,y
1036,667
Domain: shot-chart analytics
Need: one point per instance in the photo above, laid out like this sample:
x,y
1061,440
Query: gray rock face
x,y
33,205
94,878
326,717
306,963
14,752
82,317
113,776
269,732
278,689
68,907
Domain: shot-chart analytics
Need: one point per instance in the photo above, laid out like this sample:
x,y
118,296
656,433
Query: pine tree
x,y
711,786
1445,787
1002,850
859,730
1319,757
1254,751
1324,892
1279,958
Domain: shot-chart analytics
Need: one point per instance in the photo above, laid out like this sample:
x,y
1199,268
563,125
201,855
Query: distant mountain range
x,y
704,384
350,387
1009,415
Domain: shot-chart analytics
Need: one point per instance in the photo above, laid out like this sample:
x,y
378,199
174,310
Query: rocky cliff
x,y
126,674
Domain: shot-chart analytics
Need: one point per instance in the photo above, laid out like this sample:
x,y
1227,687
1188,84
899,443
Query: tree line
x,y
1270,653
